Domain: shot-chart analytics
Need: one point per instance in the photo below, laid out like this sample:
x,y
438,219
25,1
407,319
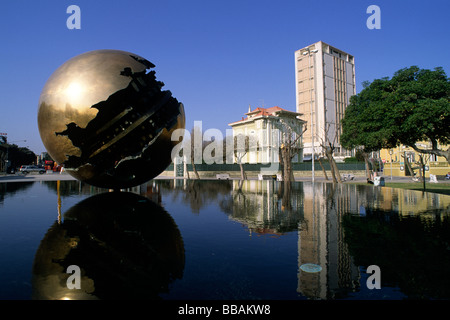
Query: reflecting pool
x,y
207,239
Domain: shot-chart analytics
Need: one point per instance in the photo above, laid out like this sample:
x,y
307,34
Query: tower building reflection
x,y
321,242
314,212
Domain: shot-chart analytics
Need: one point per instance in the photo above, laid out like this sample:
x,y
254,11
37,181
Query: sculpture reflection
x,y
127,247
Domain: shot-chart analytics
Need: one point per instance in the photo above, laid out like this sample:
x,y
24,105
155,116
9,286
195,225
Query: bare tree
x,y
289,148
365,155
242,144
187,171
320,158
328,148
196,134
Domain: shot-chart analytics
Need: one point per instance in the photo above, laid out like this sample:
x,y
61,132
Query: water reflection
x,y
313,211
126,245
195,194
412,251
266,207
10,189
344,229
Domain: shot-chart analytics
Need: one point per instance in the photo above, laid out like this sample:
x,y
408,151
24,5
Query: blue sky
x,y
217,57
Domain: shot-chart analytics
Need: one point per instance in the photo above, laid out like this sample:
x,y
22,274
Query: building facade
x,y
324,83
394,163
268,128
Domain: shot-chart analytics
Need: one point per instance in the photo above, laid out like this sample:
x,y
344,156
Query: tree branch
x,y
434,150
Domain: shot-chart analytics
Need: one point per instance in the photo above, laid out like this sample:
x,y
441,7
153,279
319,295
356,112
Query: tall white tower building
x,y
324,83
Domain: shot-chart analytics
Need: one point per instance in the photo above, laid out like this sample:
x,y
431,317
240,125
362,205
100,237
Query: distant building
x,y
269,126
324,83
393,161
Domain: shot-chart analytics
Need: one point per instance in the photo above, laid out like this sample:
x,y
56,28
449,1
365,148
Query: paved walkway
x,y
35,177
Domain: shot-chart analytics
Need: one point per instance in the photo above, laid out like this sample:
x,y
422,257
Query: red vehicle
x,y
52,165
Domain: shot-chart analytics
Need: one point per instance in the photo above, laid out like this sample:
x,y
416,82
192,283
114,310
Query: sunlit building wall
x,y
267,126
324,82
394,163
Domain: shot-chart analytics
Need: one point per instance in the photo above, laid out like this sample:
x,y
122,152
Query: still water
x,y
178,239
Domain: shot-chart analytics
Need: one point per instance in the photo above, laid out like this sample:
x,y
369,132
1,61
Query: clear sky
x,y
217,57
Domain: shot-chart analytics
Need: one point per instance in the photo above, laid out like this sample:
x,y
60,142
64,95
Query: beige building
x,y
268,128
394,161
324,83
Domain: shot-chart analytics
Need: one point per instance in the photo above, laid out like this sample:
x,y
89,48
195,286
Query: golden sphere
x,y
103,116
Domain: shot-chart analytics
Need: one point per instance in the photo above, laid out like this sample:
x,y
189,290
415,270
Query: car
x,y
28,169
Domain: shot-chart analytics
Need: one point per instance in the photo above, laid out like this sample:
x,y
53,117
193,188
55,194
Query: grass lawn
x,y
443,188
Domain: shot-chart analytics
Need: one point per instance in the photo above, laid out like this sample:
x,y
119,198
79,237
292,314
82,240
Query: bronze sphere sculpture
x,y
103,116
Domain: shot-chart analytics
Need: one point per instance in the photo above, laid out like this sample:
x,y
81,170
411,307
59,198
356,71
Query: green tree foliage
x,y
16,156
410,107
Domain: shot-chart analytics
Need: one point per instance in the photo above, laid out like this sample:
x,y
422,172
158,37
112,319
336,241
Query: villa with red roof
x,y
270,127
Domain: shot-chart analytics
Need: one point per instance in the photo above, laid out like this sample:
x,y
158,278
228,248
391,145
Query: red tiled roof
x,y
266,111
262,112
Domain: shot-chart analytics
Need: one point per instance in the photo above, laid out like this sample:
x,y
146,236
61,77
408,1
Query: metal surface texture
x,y
105,118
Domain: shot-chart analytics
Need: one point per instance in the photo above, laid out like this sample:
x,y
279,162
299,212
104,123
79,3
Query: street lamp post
x,y
310,53
390,154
